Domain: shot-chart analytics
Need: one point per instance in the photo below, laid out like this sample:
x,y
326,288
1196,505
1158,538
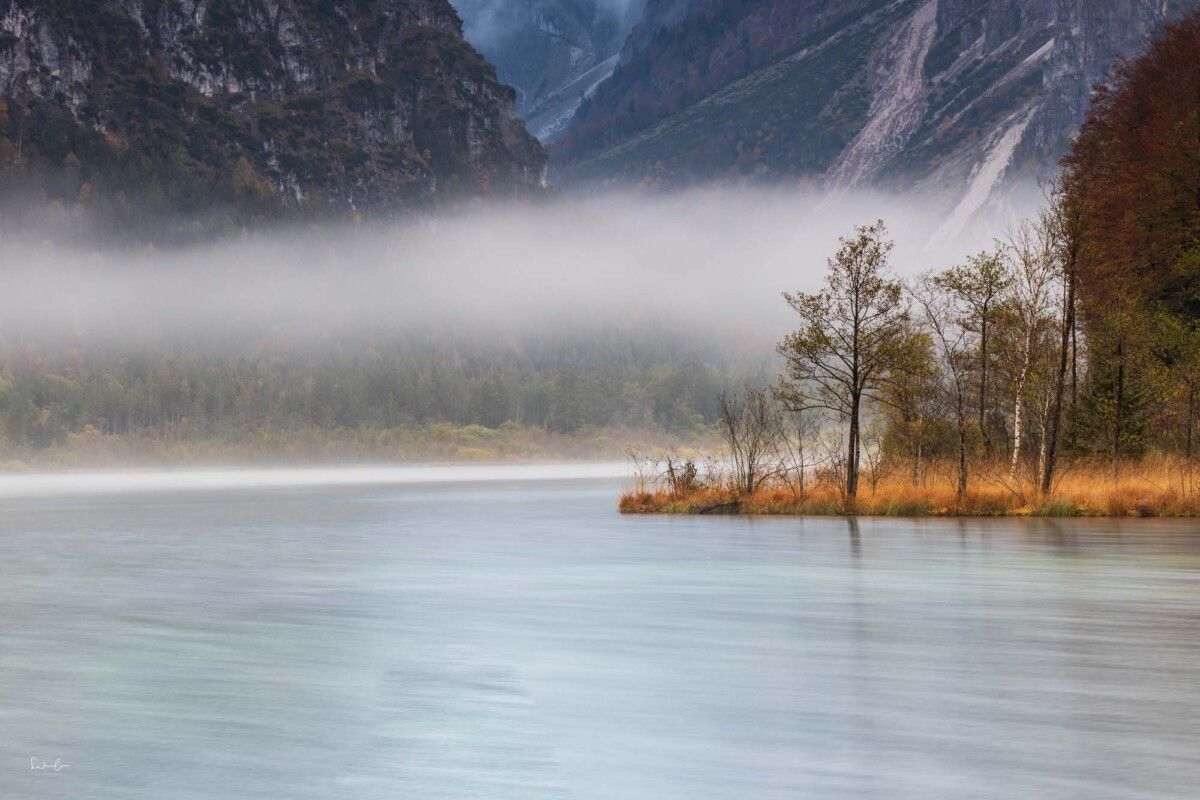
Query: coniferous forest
x,y
414,394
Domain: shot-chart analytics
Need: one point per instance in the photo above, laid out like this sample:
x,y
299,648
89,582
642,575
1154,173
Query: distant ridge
x,y
970,99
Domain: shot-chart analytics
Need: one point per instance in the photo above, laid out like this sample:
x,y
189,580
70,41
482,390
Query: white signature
x,y
56,765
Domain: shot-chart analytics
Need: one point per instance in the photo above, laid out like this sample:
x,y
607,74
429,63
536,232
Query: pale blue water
x,y
520,639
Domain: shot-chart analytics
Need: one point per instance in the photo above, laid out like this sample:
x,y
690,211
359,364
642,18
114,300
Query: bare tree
x,y
645,470
910,393
682,476
750,426
1032,248
978,286
833,450
945,322
847,336
796,457
878,465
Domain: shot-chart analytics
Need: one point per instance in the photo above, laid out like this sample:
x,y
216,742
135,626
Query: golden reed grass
x,y
1156,486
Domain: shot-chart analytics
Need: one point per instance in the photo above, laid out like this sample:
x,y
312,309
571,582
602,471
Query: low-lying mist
x,y
567,328
709,261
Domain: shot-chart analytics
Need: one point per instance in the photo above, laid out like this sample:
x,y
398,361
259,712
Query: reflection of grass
x,y
435,442
1155,487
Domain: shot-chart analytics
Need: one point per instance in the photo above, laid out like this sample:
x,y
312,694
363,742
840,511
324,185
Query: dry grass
x,y
1157,486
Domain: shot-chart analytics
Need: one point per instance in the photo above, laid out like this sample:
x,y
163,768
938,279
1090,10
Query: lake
x,y
504,633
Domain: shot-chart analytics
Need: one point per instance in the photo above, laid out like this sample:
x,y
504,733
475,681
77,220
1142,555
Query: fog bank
x,y
712,258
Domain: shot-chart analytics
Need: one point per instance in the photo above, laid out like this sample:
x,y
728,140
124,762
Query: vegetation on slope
x,y
141,121
1057,373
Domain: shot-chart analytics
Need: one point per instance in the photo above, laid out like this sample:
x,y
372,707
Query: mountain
x,y
553,52
966,96
223,110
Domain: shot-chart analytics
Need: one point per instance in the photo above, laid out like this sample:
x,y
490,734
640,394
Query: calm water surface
x,y
517,638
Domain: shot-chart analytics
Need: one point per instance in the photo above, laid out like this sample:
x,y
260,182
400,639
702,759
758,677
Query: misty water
x,y
507,634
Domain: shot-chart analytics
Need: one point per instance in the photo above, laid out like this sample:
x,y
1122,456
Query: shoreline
x,y
1055,511
1162,487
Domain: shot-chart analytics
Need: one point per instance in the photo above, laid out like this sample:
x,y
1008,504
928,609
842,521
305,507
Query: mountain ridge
x,y
966,100
223,111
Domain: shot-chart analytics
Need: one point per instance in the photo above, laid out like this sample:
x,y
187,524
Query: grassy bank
x,y
1156,487
440,442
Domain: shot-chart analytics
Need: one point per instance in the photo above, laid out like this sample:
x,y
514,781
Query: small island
x,y
1054,374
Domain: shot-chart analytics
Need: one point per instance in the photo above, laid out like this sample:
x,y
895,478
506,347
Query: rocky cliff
x,y
553,52
965,96
236,108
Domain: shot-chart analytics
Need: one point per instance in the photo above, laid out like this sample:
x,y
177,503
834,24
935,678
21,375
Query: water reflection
x,y
520,639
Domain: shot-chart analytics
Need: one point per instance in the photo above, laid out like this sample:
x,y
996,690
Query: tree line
x,y
186,391
1077,336
963,363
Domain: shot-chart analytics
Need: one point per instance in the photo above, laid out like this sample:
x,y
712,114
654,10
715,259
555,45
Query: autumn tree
x,y
847,338
1065,223
910,398
1113,416
1134,170
1031,247
1128,208
943,315
1181,348
750,424
978,286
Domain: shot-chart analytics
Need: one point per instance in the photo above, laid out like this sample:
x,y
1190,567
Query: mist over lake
x,y
638,399
705,258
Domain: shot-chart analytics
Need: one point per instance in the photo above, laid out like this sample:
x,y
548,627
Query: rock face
x,y
251,106
553,52
965,95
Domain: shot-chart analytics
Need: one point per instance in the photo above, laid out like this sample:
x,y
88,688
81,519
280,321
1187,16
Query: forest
x,y
131,137
398,395
1054,373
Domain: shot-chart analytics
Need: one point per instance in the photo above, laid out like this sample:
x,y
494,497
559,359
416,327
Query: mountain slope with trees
x,y
213,114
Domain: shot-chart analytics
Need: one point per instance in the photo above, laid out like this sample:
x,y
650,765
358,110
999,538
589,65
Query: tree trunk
x,y
1191,421
962,460
852,454
1191,428
1026,357
1074,353
1016,437
1119,411
1041,458
800,452
916,462
1065,349
983,343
